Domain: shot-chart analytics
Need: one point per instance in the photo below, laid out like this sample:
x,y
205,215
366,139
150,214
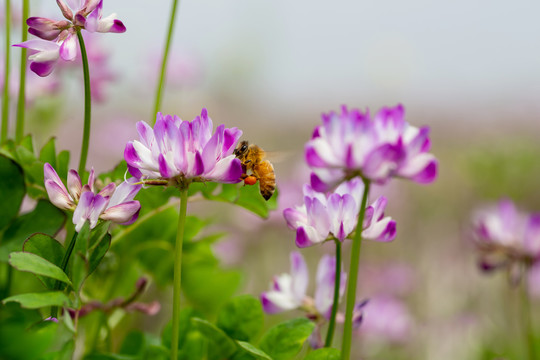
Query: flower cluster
x,y
351,144
58,39
289,292
336,215
184,151
507,238
112,203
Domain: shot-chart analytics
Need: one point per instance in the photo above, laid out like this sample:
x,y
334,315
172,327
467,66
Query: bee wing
x,y
277,156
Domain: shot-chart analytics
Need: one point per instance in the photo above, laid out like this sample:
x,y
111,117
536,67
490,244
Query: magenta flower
x,y
352,144
184,150
112,203
288,291
507,238
59,38
323,217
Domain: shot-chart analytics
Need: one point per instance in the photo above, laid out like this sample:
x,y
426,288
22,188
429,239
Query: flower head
x,y
507,237
323,216
58,38
112,203
350,144
289,291
184,150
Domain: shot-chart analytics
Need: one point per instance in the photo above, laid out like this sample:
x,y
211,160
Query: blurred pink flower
x,y
507,238
101,73
184,69
386,319
36,87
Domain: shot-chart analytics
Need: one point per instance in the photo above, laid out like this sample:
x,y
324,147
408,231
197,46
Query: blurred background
x,y
468,69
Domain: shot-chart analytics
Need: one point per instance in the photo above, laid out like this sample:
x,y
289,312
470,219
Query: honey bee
x,y
255,167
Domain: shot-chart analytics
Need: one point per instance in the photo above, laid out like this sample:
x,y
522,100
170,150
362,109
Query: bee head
x,y
241,148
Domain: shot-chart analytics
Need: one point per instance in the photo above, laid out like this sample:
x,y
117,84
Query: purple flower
x,y
352,144
59,38
507,238
335,215
184,150
112,203
288,291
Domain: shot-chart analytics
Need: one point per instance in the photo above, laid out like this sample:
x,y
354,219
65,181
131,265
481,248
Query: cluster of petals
x,y
112,203
289,291
507,237
58,39
336,214
189,150
351,143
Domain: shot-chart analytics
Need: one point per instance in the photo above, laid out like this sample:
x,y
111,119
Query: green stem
x,y
526,320
335,304
63,266
87,106
21,101
353,277
5,95
177,285
159,89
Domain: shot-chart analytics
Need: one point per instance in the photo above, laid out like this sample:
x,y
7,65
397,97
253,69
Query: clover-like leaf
x,y
35,264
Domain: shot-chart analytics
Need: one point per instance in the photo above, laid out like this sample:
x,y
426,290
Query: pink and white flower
x,y
59,38
112,203
506,237
289,291
335,215
184,150
350,144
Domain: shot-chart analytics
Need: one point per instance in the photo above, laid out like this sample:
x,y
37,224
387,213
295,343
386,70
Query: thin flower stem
x,y
527,323
63,266
353,277
159,89
5,95
335,304
87,106
21,101
177,285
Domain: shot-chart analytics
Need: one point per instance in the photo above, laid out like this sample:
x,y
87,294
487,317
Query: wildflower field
x,y
269,181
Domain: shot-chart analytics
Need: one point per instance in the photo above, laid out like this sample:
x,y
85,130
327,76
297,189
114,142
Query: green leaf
x,y
222,345
219,285
241,318
285,340
48,153
62,164
45,218
39,300
37,265
12,190
133,344
28,143
324,354
254,351
250,198
49,249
